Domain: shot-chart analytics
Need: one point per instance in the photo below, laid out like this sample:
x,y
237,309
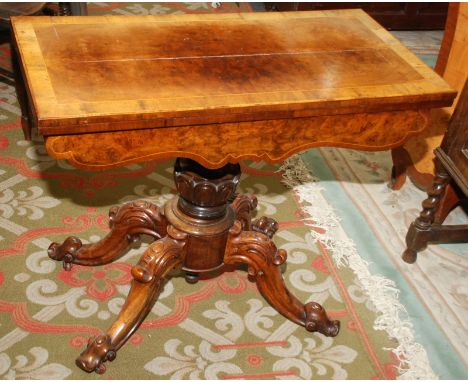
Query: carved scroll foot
x,y
127,223
267,226
102,351
148,279
243,206
259,252
316,320
65,252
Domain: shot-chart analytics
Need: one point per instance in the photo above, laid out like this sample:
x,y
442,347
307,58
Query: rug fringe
x,y
382,292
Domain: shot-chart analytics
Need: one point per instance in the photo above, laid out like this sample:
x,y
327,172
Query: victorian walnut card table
x,y
210,90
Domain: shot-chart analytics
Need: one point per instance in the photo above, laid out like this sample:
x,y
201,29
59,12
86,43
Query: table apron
x,y
214,145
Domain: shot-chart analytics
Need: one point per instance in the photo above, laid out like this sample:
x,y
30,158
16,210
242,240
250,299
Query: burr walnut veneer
x,y
211,90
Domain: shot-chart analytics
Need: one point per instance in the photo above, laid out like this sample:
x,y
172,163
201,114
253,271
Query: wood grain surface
x,y
92,74
456,68
215,145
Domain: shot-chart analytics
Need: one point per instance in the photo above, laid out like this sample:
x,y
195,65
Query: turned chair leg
x,y
127,223
420,231
149,275
258,251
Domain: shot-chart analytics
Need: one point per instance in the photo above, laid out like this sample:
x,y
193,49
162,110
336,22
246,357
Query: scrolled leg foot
x,y
265,225
66,252
316,320
99,350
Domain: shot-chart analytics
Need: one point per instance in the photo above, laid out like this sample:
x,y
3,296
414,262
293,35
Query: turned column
x,y
203,211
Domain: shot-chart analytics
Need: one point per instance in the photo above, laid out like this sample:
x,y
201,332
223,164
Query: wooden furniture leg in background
x,y
401,168
420,231
451,167
21,93
400,164
425,228
206,228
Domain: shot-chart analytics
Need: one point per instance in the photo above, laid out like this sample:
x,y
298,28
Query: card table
x,y
210,90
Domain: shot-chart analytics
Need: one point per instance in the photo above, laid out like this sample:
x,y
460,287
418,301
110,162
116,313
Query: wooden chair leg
x,y
127,223
420,231
259,252
149,275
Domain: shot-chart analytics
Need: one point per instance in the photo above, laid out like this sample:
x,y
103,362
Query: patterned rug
x,y
222,328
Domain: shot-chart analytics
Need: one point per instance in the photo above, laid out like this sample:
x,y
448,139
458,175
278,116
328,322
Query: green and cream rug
x,y
341,225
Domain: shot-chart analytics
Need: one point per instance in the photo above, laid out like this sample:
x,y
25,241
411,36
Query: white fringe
x,y
382,292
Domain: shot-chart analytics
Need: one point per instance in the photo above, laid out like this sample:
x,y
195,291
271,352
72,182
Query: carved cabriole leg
x,y
127,223
259,252
149,276
419,233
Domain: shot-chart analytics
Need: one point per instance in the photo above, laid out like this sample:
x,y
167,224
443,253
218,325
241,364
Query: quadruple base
x,y
201,230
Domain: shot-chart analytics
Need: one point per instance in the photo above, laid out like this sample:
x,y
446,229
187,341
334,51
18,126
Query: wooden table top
x,y
106,73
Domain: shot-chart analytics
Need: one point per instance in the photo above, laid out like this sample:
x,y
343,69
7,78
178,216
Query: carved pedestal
x,y
201,230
